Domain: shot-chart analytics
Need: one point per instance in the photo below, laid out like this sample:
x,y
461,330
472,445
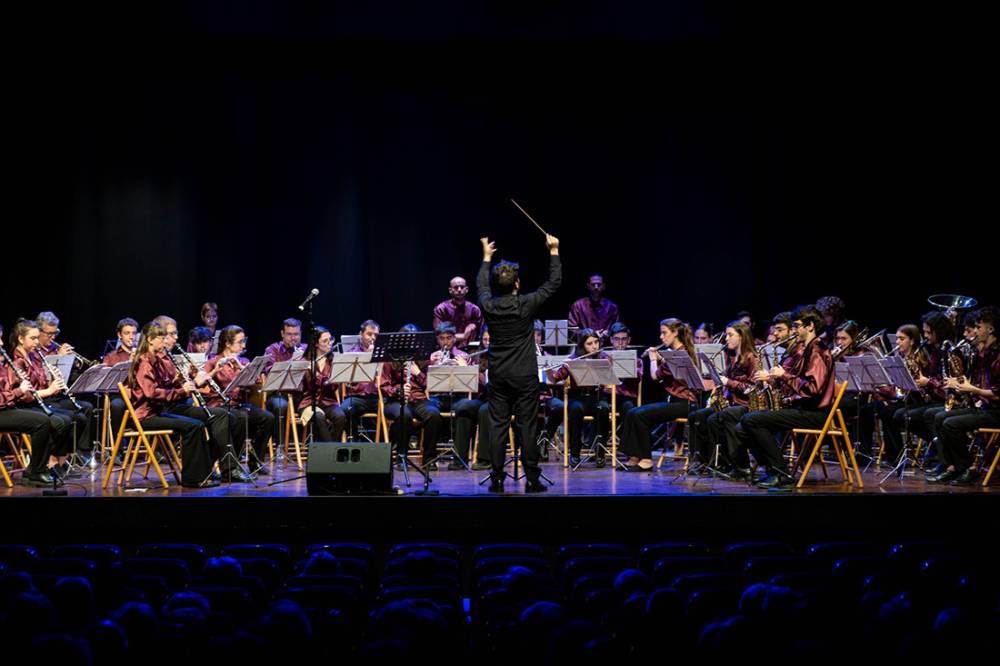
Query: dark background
x,y
705,159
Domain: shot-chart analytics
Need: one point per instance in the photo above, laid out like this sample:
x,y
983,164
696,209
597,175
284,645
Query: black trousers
x,y
762,426
466,416
517,396
36,425
736,447
892,415
859,413
639,423
217,421
331,426
704,434
954,429
260,424
61,421
427,413
81,418
919,425
354,406
196,456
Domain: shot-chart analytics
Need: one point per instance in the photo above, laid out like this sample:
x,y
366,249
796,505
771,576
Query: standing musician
x,y
716,423
332,420
20,412
583,401
25,341
156,388
224,368
806,383
417,404
465,410
639,423
594,312
210,316
467,317
982,386
513,364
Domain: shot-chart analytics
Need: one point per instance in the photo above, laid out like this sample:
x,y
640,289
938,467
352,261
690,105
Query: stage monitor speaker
x,y
349,468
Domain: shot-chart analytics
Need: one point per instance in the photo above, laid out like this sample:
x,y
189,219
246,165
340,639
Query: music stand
x,y
716,378
594,373
556,333
448,380
245,379
900,377
287,377
406,348
713,356
683,370
623,362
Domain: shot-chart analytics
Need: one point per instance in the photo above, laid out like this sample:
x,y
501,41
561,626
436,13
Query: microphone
x,y
312,294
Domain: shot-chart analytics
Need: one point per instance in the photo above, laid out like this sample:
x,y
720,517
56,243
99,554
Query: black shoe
x,y
236,476
938,469
775,480
455,465
966,478
574,460
944,477
742,473
39,479
479,465
496,486
207,483
535,487
600,462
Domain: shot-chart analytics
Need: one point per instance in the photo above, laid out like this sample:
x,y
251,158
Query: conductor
x,y
513,369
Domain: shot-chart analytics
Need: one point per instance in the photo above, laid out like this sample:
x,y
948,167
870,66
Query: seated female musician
x,y
155,389
330,425
715,425
20,412
892,411
858,410
639,423
223,369
583,401
27,356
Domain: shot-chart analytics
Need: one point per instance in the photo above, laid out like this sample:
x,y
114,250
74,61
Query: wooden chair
x,y
678,454
835,430
140,440
990,438
19,454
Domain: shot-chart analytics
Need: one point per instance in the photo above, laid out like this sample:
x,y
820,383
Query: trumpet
x,y
24,378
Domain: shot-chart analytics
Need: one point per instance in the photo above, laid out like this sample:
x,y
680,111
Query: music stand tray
x,y
556,333
353,367
453,379
682,368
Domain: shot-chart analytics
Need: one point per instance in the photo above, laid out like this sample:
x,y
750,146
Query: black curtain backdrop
x,y
239,165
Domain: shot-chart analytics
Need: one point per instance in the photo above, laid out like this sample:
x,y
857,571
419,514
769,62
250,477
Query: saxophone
x,y
772,393
717,398
953,368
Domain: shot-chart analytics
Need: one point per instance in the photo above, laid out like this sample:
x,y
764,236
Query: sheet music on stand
x,y
91,379
286,376
550,362
453,379
197,359
843,374
64,362
353,367
348,342
394,347
248,376
592,372
682,368
624,363
713,355
713,373
556,333
898,373
118,374
867,373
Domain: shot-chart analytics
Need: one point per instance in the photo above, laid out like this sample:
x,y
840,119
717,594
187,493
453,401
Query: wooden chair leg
x,y
114,453
809,463
850,452
6,477
996,457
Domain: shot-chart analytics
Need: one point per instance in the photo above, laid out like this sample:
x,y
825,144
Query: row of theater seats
x,y
499,599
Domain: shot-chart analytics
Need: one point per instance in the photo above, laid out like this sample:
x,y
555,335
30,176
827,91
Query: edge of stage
x,y
586,505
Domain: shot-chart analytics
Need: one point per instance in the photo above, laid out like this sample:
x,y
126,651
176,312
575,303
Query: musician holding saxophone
x,y
716,423
806,383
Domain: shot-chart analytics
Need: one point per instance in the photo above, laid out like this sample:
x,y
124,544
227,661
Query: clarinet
x,y
24,378
56,373
211,381
195,396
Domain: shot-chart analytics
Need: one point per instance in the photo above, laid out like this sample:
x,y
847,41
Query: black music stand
x,y
899,376
406,348
682,368
713,373
246,379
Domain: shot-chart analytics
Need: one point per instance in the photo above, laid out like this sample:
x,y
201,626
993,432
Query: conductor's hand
x,y
489,247
552,243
